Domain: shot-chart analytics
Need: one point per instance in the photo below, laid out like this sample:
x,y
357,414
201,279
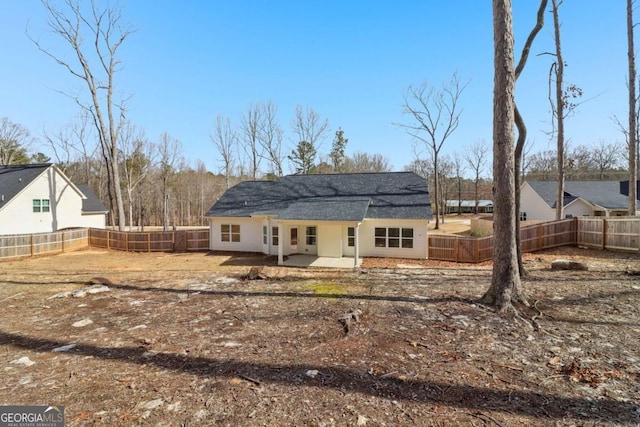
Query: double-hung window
x,y
311,236
230,232
351,236
274,236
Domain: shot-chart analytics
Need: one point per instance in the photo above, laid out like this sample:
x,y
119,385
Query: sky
x,y
350,61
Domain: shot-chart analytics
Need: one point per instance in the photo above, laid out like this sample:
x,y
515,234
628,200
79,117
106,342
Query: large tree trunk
x,y
505,282
633,167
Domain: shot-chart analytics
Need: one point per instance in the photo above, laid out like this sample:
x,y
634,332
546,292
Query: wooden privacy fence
x,y
601,233
21,245
609,233
152,241
480,249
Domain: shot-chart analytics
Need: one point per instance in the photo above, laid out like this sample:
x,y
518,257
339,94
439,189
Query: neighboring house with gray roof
x,y
538,199
330,215
40,198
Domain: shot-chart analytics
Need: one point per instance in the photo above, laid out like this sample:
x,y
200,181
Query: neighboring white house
x,y
469,206
40,198
581,198
332,215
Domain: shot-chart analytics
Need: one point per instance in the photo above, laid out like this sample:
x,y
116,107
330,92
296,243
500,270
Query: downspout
x,y
280,243
356,246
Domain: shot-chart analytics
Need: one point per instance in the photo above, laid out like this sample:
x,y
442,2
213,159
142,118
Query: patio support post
x,y
356,246
280,243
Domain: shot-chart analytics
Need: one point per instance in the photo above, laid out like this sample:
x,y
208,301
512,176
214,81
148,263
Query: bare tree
x,y
605,156
73,144
458,170
505,282
170,152
139,157
361,162
477,158
519,160
309,126
435,115
14,142
632,137
95,64
270,137
558,107
251,124
224,138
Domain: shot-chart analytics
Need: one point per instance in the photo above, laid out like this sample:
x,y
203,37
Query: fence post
x,y
148,242
62,242
31,245
476,249
126,242
540,237
604,233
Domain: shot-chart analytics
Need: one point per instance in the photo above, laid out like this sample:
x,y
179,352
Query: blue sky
x,y
351,61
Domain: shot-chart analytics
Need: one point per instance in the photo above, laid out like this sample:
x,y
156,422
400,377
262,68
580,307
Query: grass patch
x,y
327,288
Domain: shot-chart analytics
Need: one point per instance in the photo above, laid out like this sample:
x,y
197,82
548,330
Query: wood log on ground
x,y
565,264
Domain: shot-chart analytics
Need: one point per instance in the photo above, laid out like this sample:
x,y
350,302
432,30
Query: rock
x,y
24,360
564,264
362,420
64,348
312,373
264,273
96,289
82,323
152,404
60,295
232,344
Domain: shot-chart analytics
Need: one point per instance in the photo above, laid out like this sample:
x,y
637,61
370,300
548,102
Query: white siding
x,y
65,207
331,237
330,240
94,220
250,235
578,208
367,239
534,206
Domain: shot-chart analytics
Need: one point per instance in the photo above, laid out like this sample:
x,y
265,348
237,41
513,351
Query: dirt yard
x,y
181,339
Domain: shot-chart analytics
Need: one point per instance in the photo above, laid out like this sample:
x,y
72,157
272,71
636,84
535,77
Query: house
x,y
40,198
332,215
581,198
468,206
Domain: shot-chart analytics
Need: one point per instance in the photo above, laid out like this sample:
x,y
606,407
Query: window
x,y
264,235
351,236
407,238
230,232
523,216
311,236
41,205
394,237
274,236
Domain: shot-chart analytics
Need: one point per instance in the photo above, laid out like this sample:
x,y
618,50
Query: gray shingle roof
x,y
331,197
14,178
91,204
602,193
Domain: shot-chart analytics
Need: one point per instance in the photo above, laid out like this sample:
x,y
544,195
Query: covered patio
x,y
301,260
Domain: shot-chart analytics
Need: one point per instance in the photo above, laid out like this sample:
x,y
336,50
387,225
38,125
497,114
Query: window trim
x,y
275,236
394,237
230,233
41,206
311,239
